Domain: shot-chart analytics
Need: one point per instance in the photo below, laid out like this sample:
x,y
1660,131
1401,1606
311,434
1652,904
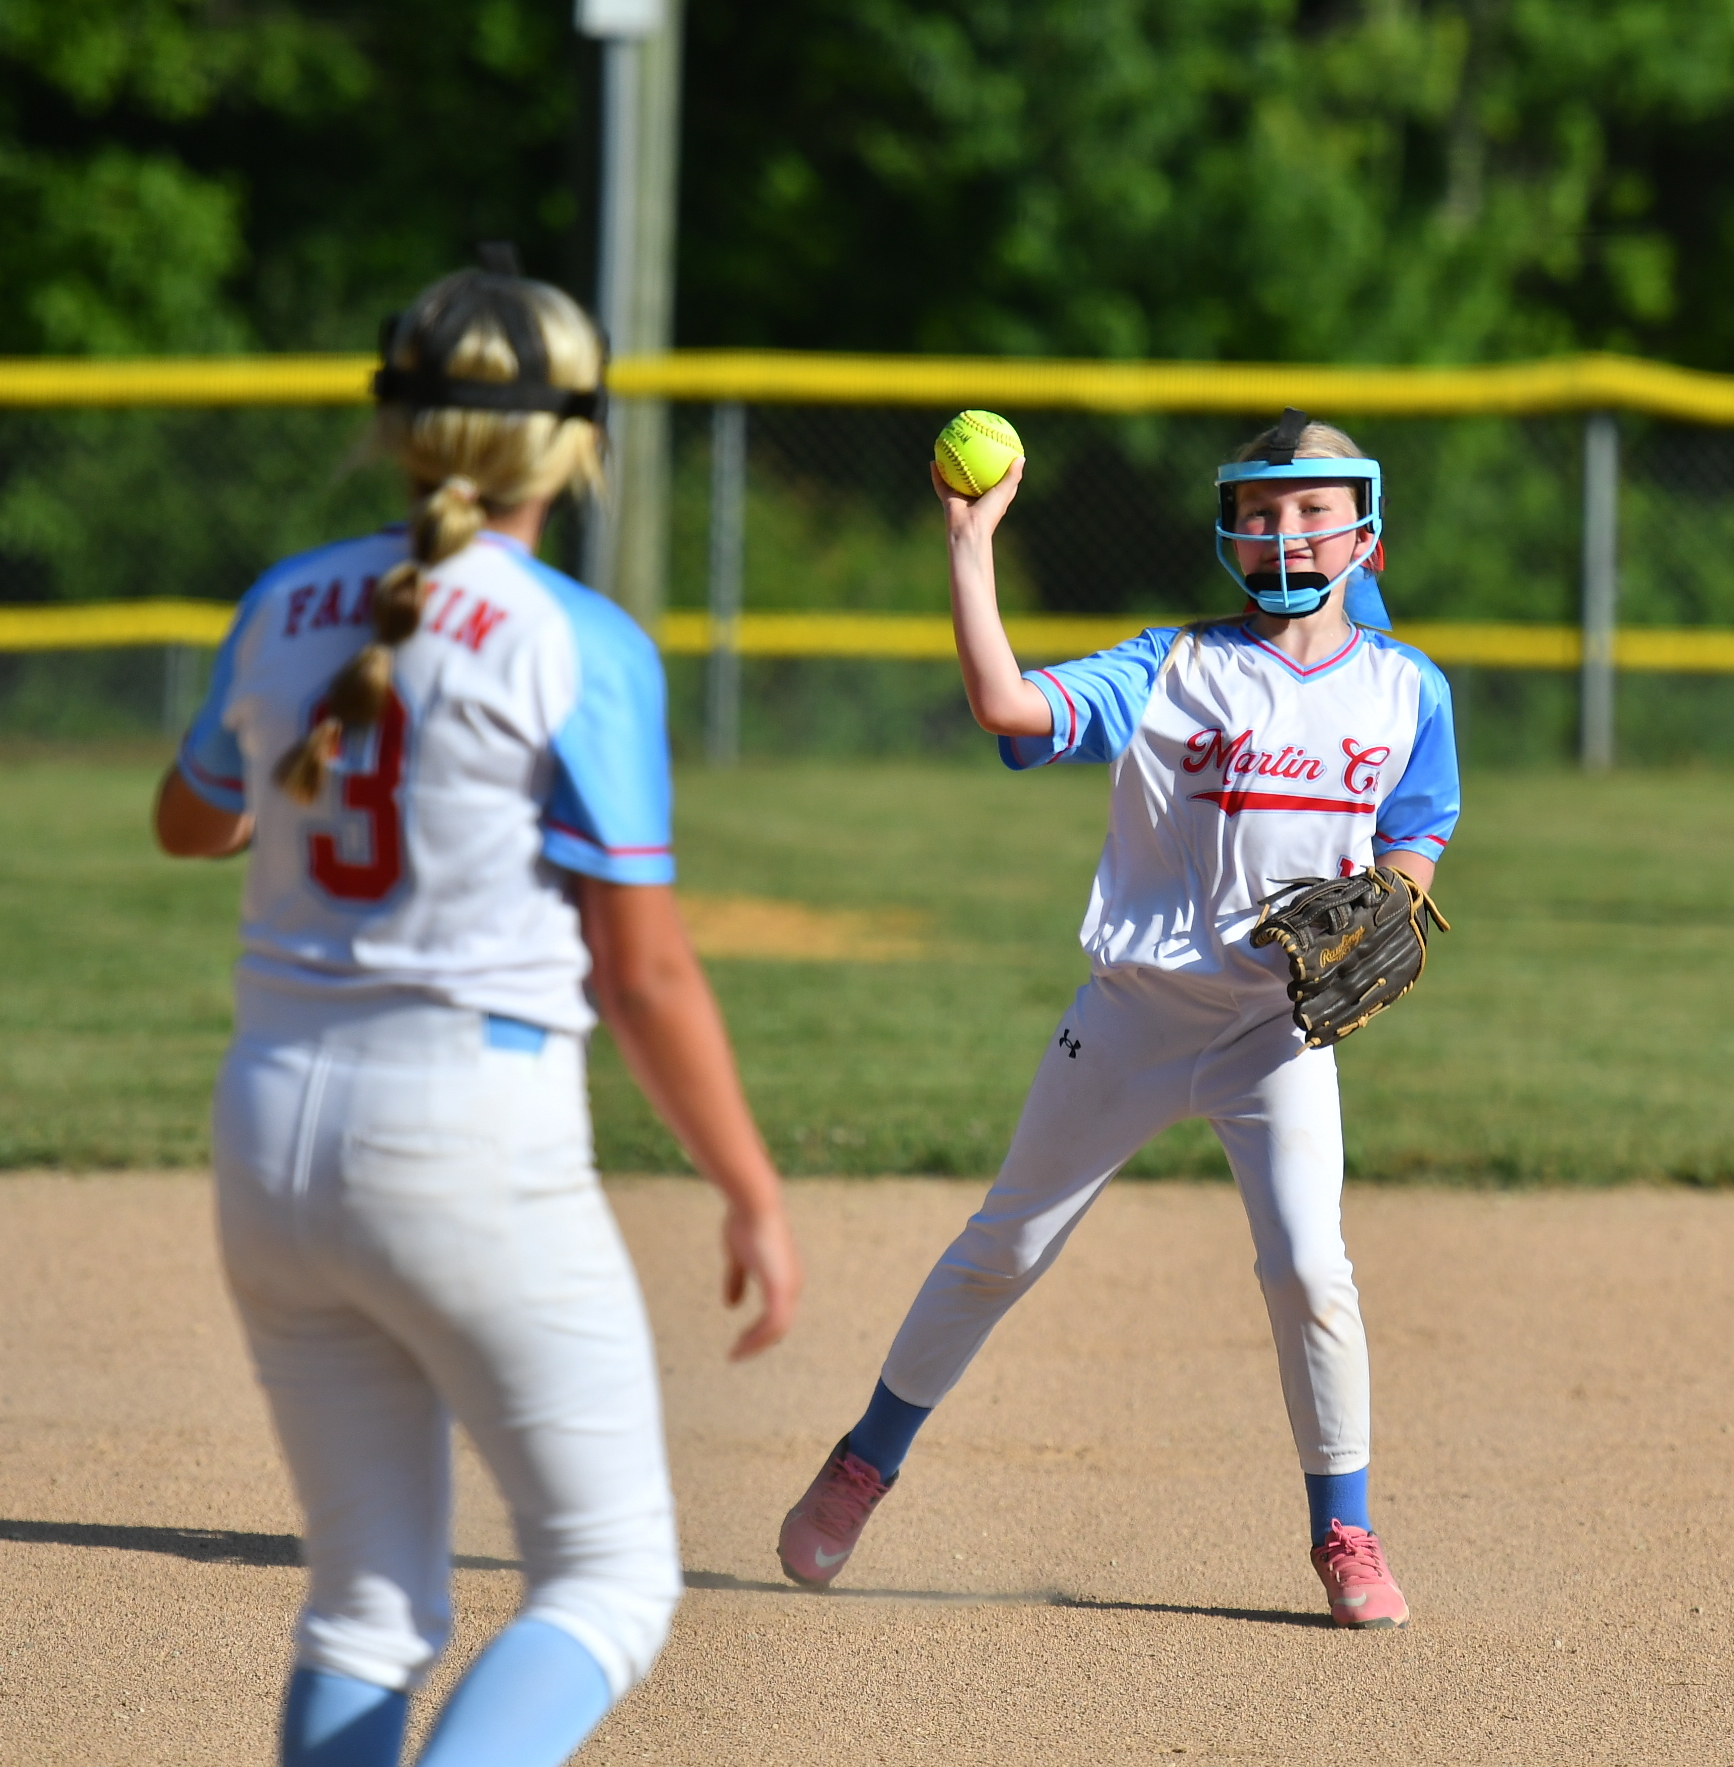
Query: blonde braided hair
x,y
465,464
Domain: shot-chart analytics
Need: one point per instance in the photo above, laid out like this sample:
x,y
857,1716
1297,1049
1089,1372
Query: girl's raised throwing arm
x,y
1004,703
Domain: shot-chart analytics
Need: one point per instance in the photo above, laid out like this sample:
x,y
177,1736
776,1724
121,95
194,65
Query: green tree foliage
x,y
212,174
1390,180
116,240
1352,180
1400,180
206,175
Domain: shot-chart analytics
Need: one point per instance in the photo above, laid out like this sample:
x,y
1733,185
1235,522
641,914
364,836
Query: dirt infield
x,y
1097,1551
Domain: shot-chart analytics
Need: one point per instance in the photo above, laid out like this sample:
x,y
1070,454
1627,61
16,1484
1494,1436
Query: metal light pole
x,y
626,547
728,501
1601,584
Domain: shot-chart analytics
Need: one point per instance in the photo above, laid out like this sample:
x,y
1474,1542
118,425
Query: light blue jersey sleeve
x,y
1420,814
210,756
1097,703
609,813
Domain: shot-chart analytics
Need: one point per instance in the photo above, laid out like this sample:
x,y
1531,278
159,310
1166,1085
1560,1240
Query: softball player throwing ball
x,y
450,765
1279,743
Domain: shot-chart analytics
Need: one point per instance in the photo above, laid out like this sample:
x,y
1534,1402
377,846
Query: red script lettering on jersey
x,y
474,627
471,628
1237,755
329,612
1239,759
297,609
1361,773
330,609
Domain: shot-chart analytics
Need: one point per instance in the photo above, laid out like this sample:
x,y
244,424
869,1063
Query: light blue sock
x,y
529,1700
884,1436
1337,1497
335,1721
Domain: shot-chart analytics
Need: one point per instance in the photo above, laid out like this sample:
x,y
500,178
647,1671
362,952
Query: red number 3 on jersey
x,y
372,795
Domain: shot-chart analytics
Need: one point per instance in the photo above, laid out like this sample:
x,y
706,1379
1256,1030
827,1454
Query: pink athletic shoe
x,y
820,1532
1351,1565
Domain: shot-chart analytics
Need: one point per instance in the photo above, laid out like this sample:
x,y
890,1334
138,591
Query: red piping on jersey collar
x,y
1299,673
613,852
1071,716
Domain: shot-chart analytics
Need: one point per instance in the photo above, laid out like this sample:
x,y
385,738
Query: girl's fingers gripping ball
x,y
975,451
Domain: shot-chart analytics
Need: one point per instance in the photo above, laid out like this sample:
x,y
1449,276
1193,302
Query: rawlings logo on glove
x,y
1354,945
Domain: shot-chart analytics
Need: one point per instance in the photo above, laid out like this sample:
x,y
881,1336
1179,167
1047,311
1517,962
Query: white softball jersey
x,y
410,1216
1234,770
524,737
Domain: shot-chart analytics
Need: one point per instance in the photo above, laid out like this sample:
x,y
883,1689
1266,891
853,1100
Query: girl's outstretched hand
x,y
759,1247
977,516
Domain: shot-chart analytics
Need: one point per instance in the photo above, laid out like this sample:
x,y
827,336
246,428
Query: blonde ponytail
x,y
490,396
441,524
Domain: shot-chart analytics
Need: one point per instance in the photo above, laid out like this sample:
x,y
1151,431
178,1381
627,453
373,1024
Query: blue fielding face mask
x,y
1294,594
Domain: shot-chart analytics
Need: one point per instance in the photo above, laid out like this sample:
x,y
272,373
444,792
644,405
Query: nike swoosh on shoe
x,y
820,1532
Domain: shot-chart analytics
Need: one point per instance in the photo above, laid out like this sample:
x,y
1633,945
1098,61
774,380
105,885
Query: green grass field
x,y
1576,1026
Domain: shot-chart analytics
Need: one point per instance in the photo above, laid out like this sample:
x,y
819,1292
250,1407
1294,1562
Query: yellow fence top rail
x,y
1570,383
1685,650
167,380
95,625
1042,638
1566,383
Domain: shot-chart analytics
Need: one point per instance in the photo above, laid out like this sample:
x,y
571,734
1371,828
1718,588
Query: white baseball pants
x,y
1140,1050
413,1231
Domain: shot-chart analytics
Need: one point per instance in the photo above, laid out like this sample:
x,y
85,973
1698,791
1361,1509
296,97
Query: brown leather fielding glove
x,y
1354,945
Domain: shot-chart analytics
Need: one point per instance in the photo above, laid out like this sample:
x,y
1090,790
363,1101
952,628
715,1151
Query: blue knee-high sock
x,y
529,1700
335,1721
883,1436
1339,1497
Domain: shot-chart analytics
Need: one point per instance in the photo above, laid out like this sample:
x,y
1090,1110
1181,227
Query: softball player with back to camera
x,y
1284,742
450,764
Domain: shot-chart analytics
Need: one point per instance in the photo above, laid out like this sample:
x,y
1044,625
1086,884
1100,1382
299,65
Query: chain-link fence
x,y
122,505
1484,524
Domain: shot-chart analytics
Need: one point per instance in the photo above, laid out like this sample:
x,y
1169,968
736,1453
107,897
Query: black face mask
x,y
1271,583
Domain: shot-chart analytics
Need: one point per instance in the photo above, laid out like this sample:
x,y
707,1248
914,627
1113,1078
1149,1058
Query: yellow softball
x,y
975,451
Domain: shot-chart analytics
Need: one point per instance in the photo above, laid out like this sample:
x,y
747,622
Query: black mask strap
x,y
414,386
499,257
495,292
1289,429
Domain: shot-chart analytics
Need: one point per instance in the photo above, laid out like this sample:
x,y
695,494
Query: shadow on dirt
x,y
1258,1616
215,1546
228,1546
1026,1598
